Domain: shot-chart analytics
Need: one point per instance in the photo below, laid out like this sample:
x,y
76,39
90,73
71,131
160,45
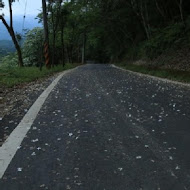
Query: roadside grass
x,y
181,76
11,76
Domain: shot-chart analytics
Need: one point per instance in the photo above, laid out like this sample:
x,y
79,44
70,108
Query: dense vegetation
x,y
109,30
11,76
113,30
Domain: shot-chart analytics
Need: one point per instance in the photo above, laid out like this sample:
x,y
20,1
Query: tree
x,y
180,5
11,30
33,47
109,30
46,35
55,14
63,20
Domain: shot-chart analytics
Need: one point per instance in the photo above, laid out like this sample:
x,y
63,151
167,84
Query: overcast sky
x,y
33,7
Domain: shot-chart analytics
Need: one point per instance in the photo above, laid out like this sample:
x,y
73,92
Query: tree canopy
x,y
111,30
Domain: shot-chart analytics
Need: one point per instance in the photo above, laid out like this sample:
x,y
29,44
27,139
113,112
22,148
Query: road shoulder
x,y
181,84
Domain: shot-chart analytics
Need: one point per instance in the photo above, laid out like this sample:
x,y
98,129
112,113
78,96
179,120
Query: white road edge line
x,y
10,146
153,77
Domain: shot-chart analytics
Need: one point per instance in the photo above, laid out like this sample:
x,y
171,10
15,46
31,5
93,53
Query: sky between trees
x,y
33,7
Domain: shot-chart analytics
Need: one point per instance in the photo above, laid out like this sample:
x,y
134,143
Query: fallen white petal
x,y
19,169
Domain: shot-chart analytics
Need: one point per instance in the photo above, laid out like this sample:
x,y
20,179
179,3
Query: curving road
x,y
102,128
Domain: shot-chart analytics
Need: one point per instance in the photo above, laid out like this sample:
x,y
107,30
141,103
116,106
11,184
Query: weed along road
x,y
101,128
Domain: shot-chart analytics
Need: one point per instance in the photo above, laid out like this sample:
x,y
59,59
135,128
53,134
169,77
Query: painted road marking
x,y
10,146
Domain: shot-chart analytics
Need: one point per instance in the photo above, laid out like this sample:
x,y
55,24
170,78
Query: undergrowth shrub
x,y
164,39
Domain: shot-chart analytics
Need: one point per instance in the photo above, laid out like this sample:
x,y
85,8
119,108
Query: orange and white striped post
x,y
47,54
46,36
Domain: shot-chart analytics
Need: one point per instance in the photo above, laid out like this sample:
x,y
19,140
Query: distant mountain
x,y
30,23
6,46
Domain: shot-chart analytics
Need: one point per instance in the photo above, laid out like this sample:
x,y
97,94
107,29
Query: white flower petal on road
x,y
138,157
177,168
120,169
146,146
35,140
70,134
170,157
33,154
19,169
119,92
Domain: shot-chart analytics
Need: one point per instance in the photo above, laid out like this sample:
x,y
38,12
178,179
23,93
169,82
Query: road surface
x,y
102,128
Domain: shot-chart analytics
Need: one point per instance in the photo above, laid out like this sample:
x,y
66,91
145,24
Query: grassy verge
x,y
11,76
181,76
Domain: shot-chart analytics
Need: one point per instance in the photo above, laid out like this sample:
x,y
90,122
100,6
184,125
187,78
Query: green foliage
x,y
163,40
170,38
117,29
33,47
15,75
9,61
110,30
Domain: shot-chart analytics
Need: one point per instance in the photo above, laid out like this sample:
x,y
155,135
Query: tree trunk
x,y
62,47
147,19
146,27
71,54
53,52
12,34
55,23
159,9
139,11
19,53
46,35
180,4
68,54
84,48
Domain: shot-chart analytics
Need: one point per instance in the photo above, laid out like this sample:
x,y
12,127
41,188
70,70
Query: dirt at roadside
x,y
16,101
178,60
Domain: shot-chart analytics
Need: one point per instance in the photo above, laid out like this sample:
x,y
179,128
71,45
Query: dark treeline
x,y
109,30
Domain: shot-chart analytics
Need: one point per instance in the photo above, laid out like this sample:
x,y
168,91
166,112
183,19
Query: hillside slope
x,y
30,23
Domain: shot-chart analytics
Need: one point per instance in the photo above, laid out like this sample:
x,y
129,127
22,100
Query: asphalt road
x,y
102,128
